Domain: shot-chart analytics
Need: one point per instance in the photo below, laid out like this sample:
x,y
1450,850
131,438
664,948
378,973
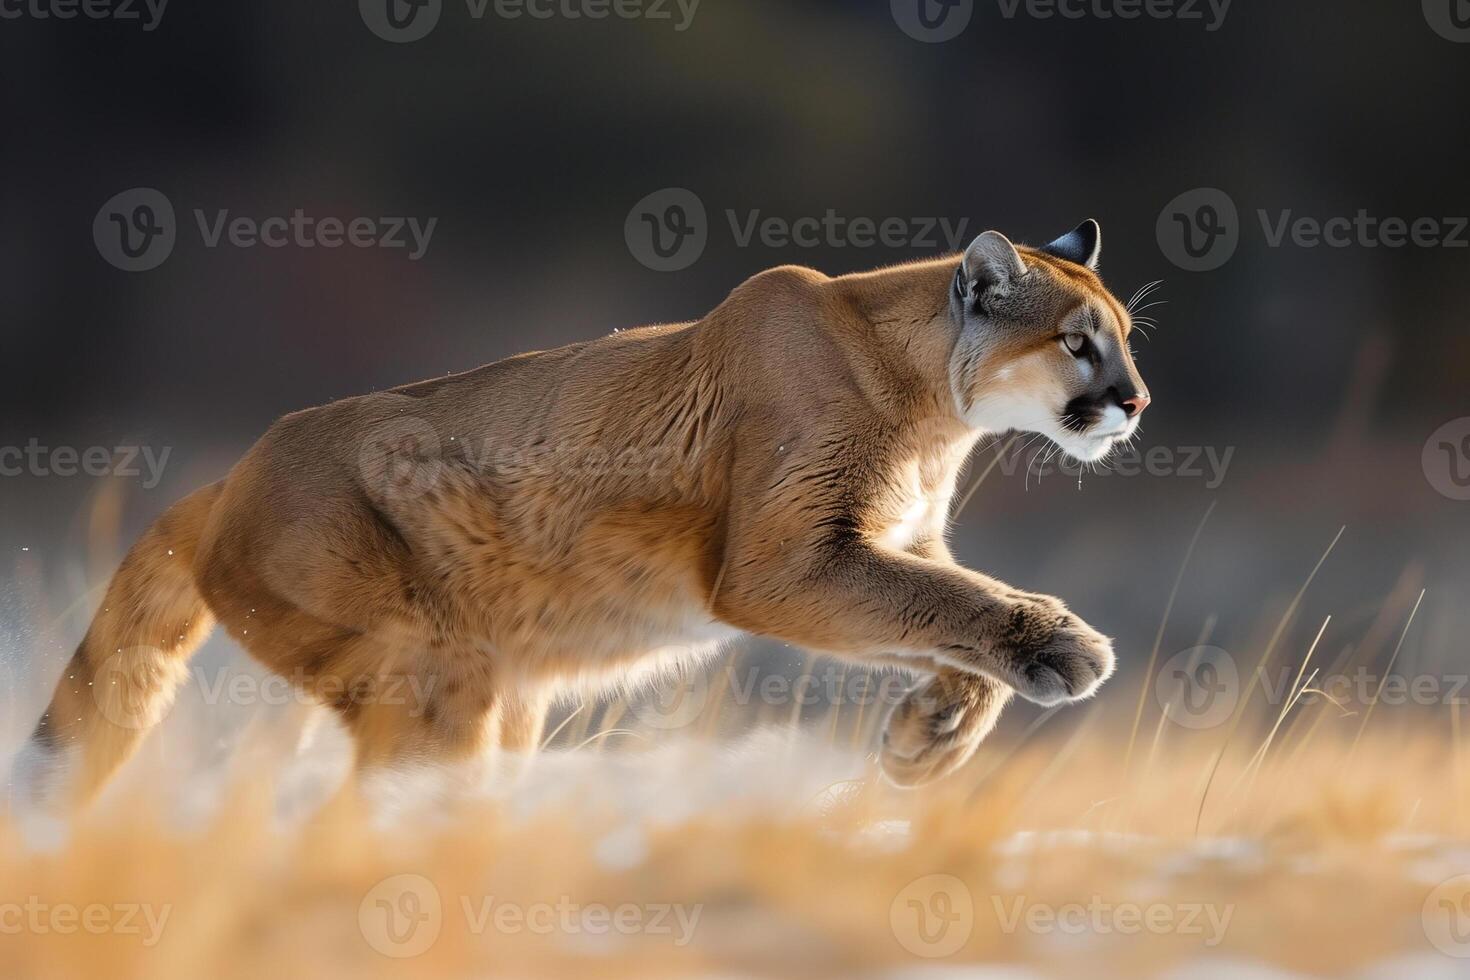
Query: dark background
x,y
1324,370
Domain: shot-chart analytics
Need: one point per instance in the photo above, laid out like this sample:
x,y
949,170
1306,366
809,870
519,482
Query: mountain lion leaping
x,y
582,518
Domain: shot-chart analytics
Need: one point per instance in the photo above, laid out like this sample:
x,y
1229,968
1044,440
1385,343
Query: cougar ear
x,y
1082,244
991,263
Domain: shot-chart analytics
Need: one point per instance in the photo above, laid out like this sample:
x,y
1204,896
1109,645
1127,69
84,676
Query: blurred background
x,y
1299,387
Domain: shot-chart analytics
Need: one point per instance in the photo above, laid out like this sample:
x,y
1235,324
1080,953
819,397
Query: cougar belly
x,y
596,644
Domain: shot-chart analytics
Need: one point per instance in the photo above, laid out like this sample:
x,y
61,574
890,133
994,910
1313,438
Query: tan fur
x,y
579,517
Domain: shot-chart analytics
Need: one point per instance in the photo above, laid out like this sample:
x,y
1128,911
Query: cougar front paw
x,y
938,725
1053,655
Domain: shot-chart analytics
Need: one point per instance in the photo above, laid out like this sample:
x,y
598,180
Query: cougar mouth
x,y
1089,435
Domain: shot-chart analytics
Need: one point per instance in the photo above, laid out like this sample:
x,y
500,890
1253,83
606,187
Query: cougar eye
x,y
1076,344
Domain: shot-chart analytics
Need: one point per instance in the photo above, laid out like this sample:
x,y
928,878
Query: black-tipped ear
x,y
1082,245
991,263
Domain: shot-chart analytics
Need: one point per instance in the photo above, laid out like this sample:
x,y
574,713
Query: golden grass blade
x,y
1260,670
1368,712
1153,657
563,724
981,478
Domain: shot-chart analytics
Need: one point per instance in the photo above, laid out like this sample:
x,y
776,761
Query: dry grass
x,y
1294,835
1321,862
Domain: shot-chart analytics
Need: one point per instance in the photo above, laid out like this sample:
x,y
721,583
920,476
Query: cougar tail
x,y
122,678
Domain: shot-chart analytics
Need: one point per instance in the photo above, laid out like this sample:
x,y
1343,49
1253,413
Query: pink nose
x,y
1136,405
